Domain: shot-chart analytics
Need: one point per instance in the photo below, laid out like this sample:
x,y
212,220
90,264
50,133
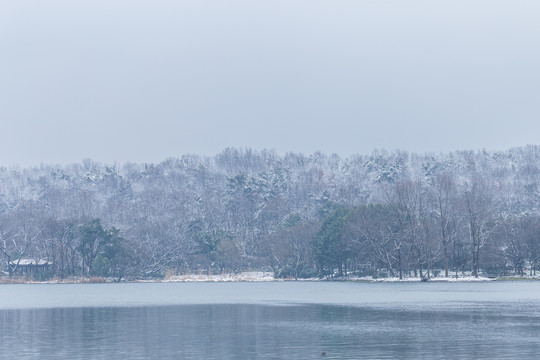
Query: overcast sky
x,y
143,81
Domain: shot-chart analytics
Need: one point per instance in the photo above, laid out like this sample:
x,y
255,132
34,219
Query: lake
x,y
271,320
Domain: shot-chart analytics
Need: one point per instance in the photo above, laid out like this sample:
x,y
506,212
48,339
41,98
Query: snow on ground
x,y
416,279
268,276
243,276
442,279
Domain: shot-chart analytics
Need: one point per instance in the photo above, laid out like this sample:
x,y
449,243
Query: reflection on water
x,y
501,329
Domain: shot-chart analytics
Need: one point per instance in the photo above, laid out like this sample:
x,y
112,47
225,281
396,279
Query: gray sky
x,y
142,81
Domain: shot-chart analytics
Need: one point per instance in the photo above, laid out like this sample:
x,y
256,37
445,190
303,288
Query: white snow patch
x,y
243,276
417,279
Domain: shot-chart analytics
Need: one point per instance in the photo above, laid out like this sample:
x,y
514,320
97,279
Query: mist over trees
x,y
383,214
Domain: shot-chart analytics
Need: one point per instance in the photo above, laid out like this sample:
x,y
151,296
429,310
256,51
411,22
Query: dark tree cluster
x,y
383,214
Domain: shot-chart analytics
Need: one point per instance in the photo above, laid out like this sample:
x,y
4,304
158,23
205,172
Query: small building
x,y
29,267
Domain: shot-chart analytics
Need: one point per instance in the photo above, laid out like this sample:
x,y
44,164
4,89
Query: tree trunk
x,y
445,257
399,265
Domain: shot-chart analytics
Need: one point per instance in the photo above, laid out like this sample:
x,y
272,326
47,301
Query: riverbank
x,y
262,276
268,276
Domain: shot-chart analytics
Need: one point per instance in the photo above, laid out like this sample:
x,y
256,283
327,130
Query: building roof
x,y
30,262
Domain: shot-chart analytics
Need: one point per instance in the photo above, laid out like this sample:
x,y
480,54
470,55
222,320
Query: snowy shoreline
x,y
268,276
260,276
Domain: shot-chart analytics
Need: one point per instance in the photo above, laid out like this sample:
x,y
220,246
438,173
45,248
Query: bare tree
x,y
443,188
478,196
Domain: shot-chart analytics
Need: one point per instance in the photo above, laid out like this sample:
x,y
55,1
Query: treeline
x,y
384,214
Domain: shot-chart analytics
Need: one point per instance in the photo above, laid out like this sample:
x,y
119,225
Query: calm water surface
x,y
277,320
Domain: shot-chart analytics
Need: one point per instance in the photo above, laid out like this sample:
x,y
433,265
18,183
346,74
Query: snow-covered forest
x,y
383,214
